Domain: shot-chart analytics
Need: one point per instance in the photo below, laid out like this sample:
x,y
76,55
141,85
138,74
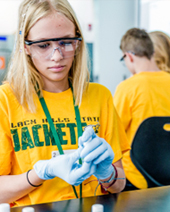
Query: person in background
x,y
45,103
145,94
161,42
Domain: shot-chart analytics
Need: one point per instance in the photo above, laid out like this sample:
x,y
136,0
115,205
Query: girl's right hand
x,y
66,168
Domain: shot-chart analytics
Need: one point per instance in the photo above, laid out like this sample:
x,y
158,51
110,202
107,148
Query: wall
x,y
84,10
8,16
155,15
112,19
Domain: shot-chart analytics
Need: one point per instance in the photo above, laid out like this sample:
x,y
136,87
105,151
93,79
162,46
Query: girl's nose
x,y
57,54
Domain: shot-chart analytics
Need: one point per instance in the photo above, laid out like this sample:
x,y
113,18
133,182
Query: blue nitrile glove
x,y
64,167
97,151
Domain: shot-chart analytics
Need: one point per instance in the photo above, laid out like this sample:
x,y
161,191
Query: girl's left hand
x,y
97,151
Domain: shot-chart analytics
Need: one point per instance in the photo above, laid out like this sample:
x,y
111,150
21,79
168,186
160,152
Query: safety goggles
x,y
122,58
67,47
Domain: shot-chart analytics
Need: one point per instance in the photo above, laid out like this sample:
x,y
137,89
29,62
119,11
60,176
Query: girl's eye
x,y
43,46
65,43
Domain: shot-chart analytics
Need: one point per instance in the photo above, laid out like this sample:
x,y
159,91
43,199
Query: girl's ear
x,y
26,49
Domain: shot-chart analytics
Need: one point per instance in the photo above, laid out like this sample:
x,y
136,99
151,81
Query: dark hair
x,y
137,41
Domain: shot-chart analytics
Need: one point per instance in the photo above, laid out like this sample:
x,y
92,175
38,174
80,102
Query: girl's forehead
x,y
52,26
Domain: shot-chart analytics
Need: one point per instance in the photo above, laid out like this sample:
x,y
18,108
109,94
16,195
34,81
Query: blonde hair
x,y
161,43
22,75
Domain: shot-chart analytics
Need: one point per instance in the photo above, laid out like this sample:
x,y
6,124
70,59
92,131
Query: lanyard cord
x,y
55,134
79,127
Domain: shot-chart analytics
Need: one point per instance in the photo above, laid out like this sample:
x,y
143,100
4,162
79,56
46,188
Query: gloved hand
x,y
97,151
65,167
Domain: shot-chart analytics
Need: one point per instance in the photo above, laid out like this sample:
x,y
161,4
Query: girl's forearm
x,y
13,187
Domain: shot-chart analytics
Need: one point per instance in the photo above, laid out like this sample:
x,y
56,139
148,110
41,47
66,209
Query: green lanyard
x,y
55,134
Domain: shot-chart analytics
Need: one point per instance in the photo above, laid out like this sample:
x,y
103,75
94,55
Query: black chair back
x,y
150,151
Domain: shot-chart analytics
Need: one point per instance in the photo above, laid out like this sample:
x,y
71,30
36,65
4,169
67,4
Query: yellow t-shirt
x,y
26,137
141,96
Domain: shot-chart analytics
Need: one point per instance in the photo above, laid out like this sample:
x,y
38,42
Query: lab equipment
x,y
97,208
4,207
28,209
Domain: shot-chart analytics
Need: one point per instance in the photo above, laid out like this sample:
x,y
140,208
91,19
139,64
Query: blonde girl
x,y
45,103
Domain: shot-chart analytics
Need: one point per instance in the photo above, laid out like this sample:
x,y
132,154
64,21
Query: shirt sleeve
x,y
6,147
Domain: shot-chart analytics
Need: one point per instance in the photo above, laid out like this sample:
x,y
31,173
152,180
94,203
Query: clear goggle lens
x,y
46,49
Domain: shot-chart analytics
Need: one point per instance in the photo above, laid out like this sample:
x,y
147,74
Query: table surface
x,y
146,200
